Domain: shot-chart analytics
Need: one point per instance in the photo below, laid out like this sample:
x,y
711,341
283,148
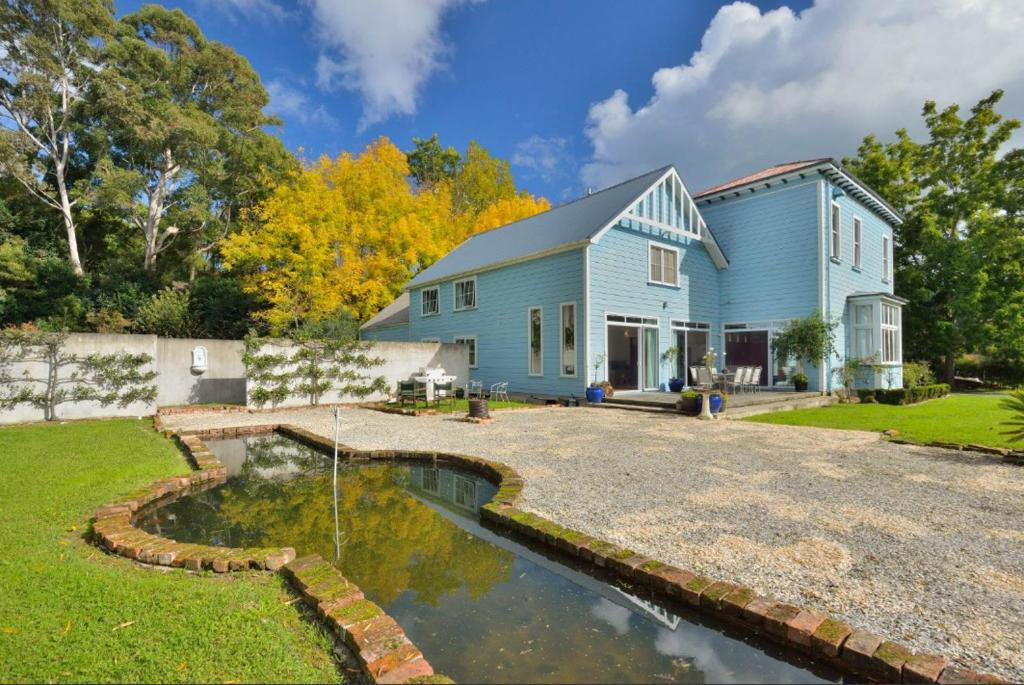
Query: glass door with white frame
x,y
651,358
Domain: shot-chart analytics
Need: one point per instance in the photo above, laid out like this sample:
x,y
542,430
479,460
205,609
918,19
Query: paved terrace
x,y
922,545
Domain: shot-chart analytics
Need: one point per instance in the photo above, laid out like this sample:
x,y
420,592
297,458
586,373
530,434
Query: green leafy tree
x,y
480,181
308,367
184,146
121,378
810,340
167,313
430,164
959,253
50,58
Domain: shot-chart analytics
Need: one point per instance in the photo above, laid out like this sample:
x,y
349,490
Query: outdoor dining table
x,y
429,381
722,379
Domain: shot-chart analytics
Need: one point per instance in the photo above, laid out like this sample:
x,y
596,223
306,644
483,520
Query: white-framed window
x,y
568,331
471,341
663,264
535,340
836,245
432,480
464,292
858,231
430,301
863,331
886,262
890,334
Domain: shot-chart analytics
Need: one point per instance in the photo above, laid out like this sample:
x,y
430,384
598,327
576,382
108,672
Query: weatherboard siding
x,y
619,285
499,322
842,279
386,334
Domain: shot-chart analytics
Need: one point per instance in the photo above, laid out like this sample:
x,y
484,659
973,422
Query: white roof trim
x,y
707,238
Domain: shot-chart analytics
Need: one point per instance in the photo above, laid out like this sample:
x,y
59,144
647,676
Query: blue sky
x,y
582,94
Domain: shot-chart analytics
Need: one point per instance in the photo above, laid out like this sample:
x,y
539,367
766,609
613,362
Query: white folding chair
x,y
754,379
499,392
474,388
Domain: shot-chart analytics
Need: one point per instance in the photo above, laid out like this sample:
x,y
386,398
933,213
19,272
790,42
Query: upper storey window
x,y
465,294
663,265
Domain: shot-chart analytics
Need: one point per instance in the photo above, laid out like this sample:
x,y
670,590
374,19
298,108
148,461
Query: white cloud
x,y
291,103
543,157
384,50
262,10
779,86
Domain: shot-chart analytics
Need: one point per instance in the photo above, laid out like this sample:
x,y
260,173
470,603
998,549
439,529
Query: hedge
x,y
903,395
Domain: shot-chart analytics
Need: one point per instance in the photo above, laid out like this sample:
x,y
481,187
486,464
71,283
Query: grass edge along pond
x,y
70,613
962,418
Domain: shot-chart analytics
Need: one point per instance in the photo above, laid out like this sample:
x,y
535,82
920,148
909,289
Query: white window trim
x,y
896,327
886,259
561,339
529,345
858,242
455,299
835,244
662,246
476,348
437,301
870,326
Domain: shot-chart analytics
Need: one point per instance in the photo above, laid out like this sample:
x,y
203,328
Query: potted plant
x,y
808,340
675,384
598,389
689,402
717,401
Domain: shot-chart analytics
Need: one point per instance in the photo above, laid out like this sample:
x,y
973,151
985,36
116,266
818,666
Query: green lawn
x,y
961,418
70,613
462,406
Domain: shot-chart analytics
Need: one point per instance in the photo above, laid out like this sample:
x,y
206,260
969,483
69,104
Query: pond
x,y
481,606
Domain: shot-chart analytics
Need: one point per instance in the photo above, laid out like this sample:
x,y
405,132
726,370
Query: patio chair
x,y
694,376
704,378
444,392
739,378
499,392
754,379
406,392
474,388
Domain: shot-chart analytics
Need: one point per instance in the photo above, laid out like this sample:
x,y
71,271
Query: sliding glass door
x,y
651,358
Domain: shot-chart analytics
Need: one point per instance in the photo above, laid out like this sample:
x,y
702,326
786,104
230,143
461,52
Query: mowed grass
x,y
960,418
70,613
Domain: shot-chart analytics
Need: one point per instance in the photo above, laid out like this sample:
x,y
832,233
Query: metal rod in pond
x,y
334,485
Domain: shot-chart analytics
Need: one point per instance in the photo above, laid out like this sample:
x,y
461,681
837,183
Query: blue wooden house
x,y
635,283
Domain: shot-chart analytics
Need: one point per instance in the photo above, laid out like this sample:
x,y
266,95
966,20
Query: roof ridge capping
x,y
792,167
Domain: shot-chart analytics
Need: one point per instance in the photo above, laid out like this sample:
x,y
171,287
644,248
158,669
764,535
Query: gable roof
x,y
574,223
395,314
828,167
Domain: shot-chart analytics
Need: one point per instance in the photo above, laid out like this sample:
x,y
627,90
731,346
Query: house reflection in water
x,y
451,489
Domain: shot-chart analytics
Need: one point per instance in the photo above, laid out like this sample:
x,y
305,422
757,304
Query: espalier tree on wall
x,y
54,376
308,367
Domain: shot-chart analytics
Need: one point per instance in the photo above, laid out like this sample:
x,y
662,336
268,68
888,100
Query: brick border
x,y
825,638
818,635
384,652
1008,456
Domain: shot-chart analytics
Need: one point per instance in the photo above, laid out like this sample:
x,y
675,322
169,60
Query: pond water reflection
x,y
481,606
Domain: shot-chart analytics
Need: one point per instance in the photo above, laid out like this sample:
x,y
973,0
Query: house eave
x,y
566,247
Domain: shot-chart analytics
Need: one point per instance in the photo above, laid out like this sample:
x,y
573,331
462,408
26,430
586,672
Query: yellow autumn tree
x,y
507,211
343,236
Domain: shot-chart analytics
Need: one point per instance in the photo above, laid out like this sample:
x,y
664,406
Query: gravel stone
x,y
922,545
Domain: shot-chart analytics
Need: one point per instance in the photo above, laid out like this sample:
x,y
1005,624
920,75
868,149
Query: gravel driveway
x,y
921,545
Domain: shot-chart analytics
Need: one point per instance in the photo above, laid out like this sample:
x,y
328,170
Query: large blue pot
x,y
595,395
715,406
676,384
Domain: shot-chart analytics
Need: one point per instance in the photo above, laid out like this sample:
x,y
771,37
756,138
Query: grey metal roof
x,y
395,314
573,222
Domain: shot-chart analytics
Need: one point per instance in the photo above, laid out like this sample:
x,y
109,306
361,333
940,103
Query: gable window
x,y
469,340
890,334
863,331
858,230
536,340
430,301
836,244
885,258
465,294
663,265
568,367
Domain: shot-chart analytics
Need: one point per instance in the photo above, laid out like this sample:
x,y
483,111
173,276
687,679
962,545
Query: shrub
x,y
917,373
1015,424
222,308
903,395
807,340
167,313
867,395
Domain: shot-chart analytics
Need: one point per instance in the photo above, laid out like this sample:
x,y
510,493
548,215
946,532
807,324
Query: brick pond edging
x,y
384,652
823,637
1015,458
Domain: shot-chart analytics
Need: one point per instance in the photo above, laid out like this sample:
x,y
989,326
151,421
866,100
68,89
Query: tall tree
x,y
50,56
431,164
185,146
480,181
957,255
